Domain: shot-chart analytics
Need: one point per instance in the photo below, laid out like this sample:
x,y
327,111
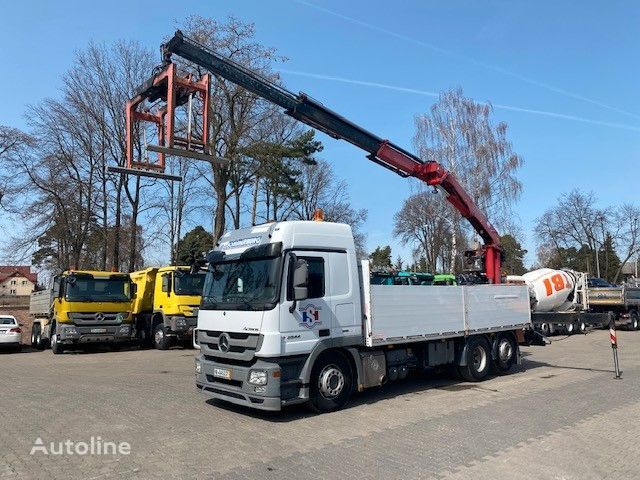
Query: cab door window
x,y
316,286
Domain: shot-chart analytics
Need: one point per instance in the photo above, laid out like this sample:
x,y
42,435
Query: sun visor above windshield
x,y
236,242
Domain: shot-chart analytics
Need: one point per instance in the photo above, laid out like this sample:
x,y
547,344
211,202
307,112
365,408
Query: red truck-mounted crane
x,y
302,108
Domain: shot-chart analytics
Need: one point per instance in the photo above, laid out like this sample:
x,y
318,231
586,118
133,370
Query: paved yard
x,y
560,416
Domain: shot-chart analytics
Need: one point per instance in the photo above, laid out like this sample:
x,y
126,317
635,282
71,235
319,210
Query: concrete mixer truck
x,y
560,301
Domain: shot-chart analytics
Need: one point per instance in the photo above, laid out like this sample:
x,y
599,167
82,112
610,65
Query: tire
x,y
36,337
160,339
570,328
478,359
544,328
331,383
39,340
582,327
187,342
144,338
634,320
56,347
552,329
506,350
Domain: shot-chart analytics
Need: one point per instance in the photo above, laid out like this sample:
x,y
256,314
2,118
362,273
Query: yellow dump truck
x,y
166,305
83,307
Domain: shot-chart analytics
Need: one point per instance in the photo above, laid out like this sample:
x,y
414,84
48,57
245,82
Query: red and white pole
x,y
614,346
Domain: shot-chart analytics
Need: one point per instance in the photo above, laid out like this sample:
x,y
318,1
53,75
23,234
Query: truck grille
x,y
241,346
93,318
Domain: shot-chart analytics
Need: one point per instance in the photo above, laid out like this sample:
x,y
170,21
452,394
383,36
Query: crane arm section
x,y
313,113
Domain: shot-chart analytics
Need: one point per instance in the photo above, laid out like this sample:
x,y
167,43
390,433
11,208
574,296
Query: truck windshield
x,y
242,285
89,289
188,284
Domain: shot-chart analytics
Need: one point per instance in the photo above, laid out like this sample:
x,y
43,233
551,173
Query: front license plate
x,y
98,330
222,373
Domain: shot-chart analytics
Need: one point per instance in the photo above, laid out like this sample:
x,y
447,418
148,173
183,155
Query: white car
x,y
10,332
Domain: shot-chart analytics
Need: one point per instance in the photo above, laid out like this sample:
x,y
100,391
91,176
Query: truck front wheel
x,y
160,339
478,359
331,383
56,346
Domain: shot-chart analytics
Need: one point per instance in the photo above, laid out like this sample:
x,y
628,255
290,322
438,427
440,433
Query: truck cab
x,y
166,305
278,290
83,307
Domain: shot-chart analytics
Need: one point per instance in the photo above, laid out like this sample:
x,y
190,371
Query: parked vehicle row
x,y
156,306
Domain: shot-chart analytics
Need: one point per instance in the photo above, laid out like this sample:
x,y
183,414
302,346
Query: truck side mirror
x,y
166,283
301,280
57,287
134,290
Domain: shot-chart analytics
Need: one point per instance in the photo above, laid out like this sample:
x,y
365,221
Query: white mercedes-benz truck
x,y
288,316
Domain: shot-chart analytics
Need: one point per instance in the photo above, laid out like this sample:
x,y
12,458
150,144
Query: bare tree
x,y
236,115
424,222
320,189
626,234
575,221
101,80
458,133
13,142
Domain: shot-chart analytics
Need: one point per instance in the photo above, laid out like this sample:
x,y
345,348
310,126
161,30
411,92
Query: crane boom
x,y
313,113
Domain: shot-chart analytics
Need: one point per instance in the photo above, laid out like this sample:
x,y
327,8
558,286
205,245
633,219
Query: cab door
x,y
312,319
343,295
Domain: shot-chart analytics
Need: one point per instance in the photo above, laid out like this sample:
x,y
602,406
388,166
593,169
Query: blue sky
x,y
576,63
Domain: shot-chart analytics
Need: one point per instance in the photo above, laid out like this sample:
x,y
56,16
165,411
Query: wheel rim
x,y
331,381
570,328
583,327
505,350
479,358
159,336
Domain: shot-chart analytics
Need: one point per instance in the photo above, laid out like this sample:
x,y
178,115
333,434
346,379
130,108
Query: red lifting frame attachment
x,y
436,175
175,91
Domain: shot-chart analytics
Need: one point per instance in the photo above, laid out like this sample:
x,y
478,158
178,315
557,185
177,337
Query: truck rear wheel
x,y
331,383
36,337
505,353
634,320
478,359
160,339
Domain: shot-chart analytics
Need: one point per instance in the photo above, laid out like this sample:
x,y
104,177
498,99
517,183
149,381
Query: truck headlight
x,y
257,377
70,330
124,329
181,322
198,367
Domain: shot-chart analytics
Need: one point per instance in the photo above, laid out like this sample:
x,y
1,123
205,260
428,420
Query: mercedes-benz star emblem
x,y
223,343
99,317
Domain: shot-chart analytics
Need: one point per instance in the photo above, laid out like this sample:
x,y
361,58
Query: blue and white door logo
x,y
310,316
